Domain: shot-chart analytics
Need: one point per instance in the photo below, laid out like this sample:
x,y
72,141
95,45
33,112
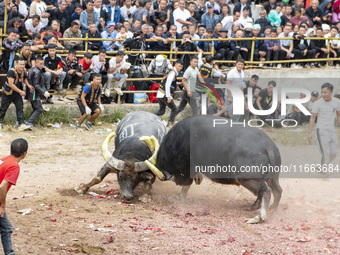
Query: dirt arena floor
x,y
54,219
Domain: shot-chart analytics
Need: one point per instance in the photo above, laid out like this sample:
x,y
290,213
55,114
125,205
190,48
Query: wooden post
x,y
252,50
171,46
87,41
5,17
328,48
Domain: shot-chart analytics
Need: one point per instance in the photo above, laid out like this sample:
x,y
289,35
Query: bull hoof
x,y
146,198
79,190
254,220
254,207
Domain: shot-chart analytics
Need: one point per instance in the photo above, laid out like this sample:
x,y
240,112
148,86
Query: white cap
x,y
325,27
159,60
248,25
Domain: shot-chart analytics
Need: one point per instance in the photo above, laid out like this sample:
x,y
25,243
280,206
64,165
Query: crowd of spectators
x,y
39,25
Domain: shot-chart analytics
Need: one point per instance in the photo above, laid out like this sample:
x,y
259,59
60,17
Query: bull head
x,y
139,166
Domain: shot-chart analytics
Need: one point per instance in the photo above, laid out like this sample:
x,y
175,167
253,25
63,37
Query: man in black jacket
x,y
94,33
18,24
61,15
103,13
223,48
319,46
240,47
36,79
72,70
301,45
314,13
189,46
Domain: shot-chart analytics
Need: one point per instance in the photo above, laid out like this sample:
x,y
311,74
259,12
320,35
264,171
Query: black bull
x,y
134,132
196,142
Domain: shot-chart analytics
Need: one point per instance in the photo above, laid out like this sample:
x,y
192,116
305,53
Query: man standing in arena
x,y
327,108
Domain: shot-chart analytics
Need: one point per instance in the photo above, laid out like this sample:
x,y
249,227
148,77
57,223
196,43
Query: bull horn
x,y
153,145
112,161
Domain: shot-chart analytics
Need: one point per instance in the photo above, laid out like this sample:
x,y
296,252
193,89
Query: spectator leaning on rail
x,y
73,32
117,71
36,79
18,24
94,34
53,70
13,91
11,44
110,33
27,55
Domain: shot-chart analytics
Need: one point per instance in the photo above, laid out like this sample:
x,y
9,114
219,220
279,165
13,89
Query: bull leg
x,y
147,197
184,192
105,170
253,186
277,191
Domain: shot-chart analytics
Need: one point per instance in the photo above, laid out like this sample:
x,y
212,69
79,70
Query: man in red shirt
x,y
9,173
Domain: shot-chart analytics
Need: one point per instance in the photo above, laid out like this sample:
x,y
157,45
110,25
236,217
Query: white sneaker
x,y
279,66
24,127
337,66
299,66
293,66
261,65
118,90
107,92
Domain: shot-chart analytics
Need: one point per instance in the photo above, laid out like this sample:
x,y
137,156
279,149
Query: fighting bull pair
x,y
192,142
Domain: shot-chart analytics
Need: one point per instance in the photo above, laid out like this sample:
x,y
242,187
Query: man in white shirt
x,y
33,25
235,78
117,71
327,109
244,19
228,21
127,10
166,91
181,15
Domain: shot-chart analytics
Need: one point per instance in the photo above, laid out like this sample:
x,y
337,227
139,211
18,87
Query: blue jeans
x,y
49,76
6,230
230,108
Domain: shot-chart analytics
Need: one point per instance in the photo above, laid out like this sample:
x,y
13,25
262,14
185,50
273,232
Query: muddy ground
x,y
210,221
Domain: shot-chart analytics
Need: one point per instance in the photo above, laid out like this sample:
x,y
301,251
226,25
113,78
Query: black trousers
x,y
163,102
37,110
272,54
73,78
16,99
244,55
224,54
187,100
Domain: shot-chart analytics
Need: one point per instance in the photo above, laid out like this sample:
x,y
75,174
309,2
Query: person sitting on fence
x,y
27,55
239,47
287,46
88,16
71,68
260,50
320,48
53,70
166,91
110,33
159,66
36,79
11,45
85,66
99,65
94,34
273,48
18,24
301,45
117,71
33,25
335,45
89,102
223,48
13,91
73,32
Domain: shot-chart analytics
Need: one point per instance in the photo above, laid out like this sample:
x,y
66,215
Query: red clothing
x,y
84,64
9,170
